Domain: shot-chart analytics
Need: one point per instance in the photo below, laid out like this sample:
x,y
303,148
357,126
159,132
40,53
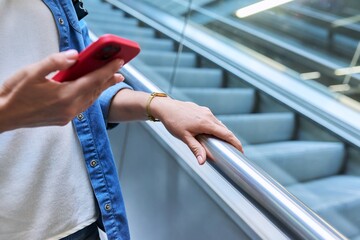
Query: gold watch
x,y
148,110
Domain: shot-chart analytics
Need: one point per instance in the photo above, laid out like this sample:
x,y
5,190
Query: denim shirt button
x,y
80,116
93,163
61,21
107,207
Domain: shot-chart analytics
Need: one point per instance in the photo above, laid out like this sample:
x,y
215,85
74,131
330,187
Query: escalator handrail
x,y
271,195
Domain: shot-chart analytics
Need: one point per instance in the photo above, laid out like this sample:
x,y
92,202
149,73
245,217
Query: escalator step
x,y
104,10
167,59
297,161
100,20
193,77
261,127
336,199
242,100
125,31
157,44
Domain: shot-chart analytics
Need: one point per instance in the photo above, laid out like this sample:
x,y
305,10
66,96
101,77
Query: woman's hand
x,y
30,99
184,120
187,120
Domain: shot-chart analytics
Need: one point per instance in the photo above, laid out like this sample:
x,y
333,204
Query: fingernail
x,y
200,159
119,77
71,53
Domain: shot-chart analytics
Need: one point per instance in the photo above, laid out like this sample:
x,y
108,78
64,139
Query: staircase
x,y
310,162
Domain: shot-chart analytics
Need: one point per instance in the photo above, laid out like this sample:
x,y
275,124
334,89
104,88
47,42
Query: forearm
x,y
129,105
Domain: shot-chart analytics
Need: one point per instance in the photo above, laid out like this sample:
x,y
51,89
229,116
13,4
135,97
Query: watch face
x,y
156,94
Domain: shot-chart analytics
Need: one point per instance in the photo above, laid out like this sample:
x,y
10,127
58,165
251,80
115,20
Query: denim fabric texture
x,y
91,129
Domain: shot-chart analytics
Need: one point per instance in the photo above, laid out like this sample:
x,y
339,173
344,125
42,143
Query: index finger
x,y
54,62
99,78
222,132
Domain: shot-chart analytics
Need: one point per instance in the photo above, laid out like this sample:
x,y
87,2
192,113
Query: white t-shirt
x,y
45,192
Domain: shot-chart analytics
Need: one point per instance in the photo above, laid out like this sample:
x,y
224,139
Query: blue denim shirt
x,y
91,129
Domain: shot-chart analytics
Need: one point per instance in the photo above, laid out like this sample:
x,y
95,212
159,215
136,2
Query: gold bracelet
x,y
148,110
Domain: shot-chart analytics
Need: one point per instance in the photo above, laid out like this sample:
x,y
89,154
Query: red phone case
x,y
105,49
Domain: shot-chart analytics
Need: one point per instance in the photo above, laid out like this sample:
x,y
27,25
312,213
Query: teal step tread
x,y
100,20
156,58
254,128
336,199
157,44
104,10
192,77
123,31
292,162
100,31
217,99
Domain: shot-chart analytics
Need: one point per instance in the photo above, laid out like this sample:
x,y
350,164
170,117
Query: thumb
x,y
197,149
54,62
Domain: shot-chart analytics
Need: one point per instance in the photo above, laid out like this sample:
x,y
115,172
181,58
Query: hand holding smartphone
x,y
107,48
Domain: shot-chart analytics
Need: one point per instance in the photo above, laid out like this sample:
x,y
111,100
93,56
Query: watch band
x,y
148,109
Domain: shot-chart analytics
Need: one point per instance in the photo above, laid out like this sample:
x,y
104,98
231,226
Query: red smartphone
x,y
107,48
